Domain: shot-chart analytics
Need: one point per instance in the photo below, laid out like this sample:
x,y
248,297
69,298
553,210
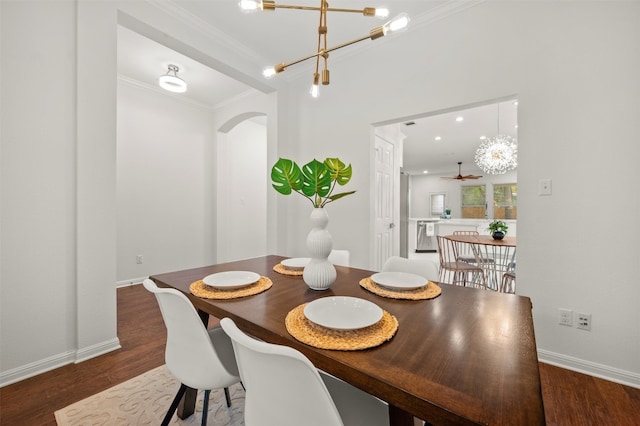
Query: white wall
x,y
58,185
164,190
573,67
242,194
423,185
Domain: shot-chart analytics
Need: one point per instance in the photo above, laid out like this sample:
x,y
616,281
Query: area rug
x,y
145,399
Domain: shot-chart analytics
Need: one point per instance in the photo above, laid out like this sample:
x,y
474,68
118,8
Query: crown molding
x,y
203,27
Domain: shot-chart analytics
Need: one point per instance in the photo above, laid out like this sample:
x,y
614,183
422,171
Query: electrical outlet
x,y
139,259
584,321
566,317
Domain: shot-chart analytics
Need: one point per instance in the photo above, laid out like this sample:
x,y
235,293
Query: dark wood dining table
x,y
466,357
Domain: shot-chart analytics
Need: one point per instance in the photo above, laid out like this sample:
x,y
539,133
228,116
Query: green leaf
x,y
286,176
340,195
339,172
316,179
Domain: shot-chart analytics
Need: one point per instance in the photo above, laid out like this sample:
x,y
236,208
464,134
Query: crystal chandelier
x,y
499,154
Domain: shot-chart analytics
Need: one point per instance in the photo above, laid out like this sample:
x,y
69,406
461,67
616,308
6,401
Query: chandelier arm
x,y
322,52
366,11
320,25
325,55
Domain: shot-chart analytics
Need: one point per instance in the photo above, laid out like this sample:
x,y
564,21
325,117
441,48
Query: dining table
x,y
465,357
495,256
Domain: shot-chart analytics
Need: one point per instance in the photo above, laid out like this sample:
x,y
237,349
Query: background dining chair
x,y
457,272
340,257
284,388
199,358
508,284
463,250
423,267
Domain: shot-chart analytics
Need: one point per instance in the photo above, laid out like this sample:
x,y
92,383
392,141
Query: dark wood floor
x,y
569,398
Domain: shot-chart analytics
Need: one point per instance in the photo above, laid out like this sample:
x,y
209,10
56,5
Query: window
x,y
505,201
437,202
474,201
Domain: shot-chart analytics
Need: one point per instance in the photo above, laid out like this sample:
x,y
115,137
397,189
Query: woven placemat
x,y
281,269
344,340
200,289
430,291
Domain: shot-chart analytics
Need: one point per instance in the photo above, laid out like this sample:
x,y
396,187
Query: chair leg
x,y
174,404
205,406
227,396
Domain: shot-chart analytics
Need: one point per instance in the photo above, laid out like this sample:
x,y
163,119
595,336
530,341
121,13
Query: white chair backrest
x,y
282,386
189,354
340,257
423,267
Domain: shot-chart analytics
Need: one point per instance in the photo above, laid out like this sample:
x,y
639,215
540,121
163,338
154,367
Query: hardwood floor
x,y
569,398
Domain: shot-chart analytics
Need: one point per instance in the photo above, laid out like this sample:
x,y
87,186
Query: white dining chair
x,y
284,388
197,357
340,257
423,267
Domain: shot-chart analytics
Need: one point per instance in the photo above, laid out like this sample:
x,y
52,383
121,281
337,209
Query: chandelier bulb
x,y
249,6
397,24
315,90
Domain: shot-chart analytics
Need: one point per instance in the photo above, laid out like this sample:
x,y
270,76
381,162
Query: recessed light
x,y
459,119
482,138
425,171
438,138
515,103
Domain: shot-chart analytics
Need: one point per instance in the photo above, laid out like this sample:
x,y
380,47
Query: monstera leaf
x,y
286,176
315,180
339,172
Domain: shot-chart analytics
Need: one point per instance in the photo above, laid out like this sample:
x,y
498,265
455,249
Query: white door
x,y
385,221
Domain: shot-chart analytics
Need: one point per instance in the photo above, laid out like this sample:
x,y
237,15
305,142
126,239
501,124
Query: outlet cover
x,y
583,321
566,317
544,187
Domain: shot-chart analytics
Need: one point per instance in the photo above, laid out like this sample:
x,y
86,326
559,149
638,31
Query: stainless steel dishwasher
x,y
426,236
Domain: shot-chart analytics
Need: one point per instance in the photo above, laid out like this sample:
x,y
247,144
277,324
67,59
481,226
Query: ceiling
x,y
286,35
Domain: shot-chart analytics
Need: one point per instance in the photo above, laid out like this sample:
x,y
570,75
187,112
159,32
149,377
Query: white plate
x,y
231,279
343,312
399,280
295,263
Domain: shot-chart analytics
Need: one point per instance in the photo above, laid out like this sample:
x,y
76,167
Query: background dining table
x,y
495,256
467,356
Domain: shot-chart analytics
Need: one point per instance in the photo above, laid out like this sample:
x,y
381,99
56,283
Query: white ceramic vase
x,y
319,273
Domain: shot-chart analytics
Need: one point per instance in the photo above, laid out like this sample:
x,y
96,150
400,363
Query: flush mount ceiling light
x,y
171,82
398,23
499,154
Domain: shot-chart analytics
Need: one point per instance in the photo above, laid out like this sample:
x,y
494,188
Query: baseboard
x,y
56,361
130,282
35,368
97,350
601,371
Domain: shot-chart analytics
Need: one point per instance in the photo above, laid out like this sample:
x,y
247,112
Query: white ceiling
x,y
286,35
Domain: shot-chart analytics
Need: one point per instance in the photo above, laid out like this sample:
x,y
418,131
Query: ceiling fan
x,y
460,177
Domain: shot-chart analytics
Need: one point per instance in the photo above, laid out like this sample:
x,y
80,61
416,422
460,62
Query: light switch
x,y
544,187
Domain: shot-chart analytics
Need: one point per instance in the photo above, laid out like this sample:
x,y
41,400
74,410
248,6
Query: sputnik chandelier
x,y
398,23
499,154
